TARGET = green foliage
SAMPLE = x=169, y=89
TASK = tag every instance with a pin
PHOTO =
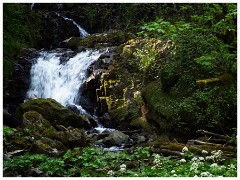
x=202, y=51
x=92, y=162
x=147, y=55
x=7, y=131
x=21, y=29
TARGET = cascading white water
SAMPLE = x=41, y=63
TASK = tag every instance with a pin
x=62, y=82
x=32, y=6
x=82, y=32
x=50, y=79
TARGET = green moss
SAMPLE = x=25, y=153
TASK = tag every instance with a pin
x=140, y=123
x=52, y=111
x=159, y=101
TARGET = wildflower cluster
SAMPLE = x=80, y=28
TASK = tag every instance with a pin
x=110, y=173
x=216, y=156
x=157, y=162
x=122, y=167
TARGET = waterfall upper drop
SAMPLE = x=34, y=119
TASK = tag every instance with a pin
x=62, y=82
x=82, y=32
x=32, y=5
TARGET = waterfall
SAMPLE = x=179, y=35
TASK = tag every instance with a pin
x=32, y=6
x=51, y=79
x=82, y=32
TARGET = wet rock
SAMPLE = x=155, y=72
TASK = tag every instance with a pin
x=107, y=121
x=116, y=138
x=55, y=30
x=50, y=110
x=49, y=147
x=89, y=122
x=72, y=138
x=138, y=138
x=73, y=108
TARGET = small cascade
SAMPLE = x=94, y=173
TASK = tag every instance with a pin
x=82, y=32
x=51, y=79
x=62, y=81
x=32, y=6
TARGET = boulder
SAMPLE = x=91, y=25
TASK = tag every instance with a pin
x=72, y=137
x=137, y=138
x=98, y=40
x=50, y=110
x=116, y=138
x=49, y=147
x=107, y=121
x=37, y=126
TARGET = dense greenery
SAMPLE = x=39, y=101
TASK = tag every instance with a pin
x=152, y=84
x=203, y=51
x=21, y=30
x=91, y=161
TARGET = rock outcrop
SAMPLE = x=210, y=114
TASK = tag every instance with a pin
x=51, y=110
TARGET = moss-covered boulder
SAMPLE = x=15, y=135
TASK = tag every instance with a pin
x=50, y=110
x=49, y=147
x=72, y=137
x=129, y=72
x=36, y=126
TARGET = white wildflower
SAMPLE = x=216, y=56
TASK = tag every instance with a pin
x=157, y=156
x=206, y=174
x=196, y=176
x=174, y=175
x=154, y=167
x=122, y=169
x=201, y=158
x=182, y=161
x=223, y=167
x=123, y=166
x=209, y=158
x=213, y=165
x=231, y=167
x=111, y=173
x=156, y=161
x=185, y=149
x=204, y=152
x=194, y=159
x=217, y=154
x=194, y=166
x=173, y=171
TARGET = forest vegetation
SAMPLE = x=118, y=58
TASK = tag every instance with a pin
x=174, y=73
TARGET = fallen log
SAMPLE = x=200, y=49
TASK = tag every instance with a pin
x=224, y=79
x=10, y=154
x=172, y=153
x=203, y=132
x=166, y=152
x=219, y=141
x=198, y=142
